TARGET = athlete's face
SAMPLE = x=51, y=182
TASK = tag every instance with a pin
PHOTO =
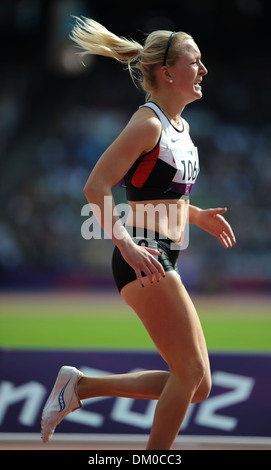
x=188, y=71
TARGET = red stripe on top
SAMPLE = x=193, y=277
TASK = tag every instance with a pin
x=145, y=168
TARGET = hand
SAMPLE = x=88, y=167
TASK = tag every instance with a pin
x=141, y=259
x=212, y=221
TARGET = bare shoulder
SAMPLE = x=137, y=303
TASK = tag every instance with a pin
x=147, y=115
x=146, y=125
x=139, y=136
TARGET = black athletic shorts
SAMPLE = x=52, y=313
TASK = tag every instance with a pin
x=123, y=273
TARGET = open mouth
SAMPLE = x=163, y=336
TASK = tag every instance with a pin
x=197, y=85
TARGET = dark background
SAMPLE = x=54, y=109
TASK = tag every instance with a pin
x=57, y=117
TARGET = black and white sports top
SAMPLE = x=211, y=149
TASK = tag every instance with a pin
x=169, y=170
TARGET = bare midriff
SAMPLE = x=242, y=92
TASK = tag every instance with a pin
x=166, y=217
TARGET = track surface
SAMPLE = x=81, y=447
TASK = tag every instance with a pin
x=91, y=443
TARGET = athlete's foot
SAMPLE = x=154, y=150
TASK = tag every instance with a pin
x=62, y=400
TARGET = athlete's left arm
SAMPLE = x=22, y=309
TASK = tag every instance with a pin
x=212, y=221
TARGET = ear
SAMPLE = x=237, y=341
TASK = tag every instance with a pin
x=165, y=74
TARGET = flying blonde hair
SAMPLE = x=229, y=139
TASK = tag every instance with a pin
x=95, y=39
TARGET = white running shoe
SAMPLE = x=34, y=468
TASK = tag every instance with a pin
x=62, y=400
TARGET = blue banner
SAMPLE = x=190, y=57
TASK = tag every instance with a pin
x=239, y=403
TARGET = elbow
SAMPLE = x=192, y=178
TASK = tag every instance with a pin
x=89, y=189
x=86, y=189
x=96, y=187
x=93, y=190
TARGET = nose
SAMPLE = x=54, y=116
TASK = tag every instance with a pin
x=202, y=69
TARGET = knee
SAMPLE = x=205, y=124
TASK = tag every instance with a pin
x=199, y=371
x=203, y=381
x=204, y=389
x=191, y=372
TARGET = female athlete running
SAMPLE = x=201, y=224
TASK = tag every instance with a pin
x=159, y=163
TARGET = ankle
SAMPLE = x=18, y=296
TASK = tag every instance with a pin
x=80, y=388
x=85, y=388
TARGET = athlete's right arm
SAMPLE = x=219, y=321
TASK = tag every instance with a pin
x=139, y=136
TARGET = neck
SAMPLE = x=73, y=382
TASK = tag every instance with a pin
x=172, y=110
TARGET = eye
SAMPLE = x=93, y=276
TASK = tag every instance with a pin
x=196, y=61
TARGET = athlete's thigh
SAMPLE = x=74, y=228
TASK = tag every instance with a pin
x=170, y=318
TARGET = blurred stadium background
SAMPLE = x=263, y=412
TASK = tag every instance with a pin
x=56, y=119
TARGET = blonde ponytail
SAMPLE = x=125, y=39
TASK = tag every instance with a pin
x=95, y=39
